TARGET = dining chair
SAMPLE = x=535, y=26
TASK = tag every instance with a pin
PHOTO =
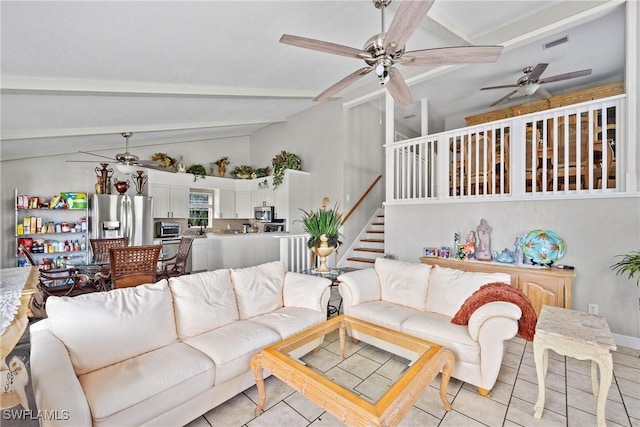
x=66, y=282
x=177, y=264
x=100, y=248
x=131, y=266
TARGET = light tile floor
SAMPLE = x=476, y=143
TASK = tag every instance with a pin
x=569, y=401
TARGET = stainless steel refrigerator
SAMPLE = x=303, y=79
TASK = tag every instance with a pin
x=114, y=215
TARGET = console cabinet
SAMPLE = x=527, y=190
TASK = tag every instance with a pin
x=543, y=285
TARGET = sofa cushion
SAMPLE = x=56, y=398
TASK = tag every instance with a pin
x=258, y=289
x=147, y=384
x=232, y=346
x=437, y=328
x=449, y=288
x=303, y=290
x=403, y=283
x=203, y=301
x=287, y=321
x=382, y=313
x=103, y=328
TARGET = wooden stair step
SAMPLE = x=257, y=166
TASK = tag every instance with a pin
x=377, y=223
x=357, y=259
x=375, y=231
x=372, y=240
x=378, y=251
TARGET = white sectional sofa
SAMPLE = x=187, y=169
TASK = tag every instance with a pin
x=165, y=353
x=421, y=301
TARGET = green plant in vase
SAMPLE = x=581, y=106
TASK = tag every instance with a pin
x=221, y=163
x=323, y=226
x=198, y=171
x=242, y=171
x=282, y=161
x=629, y=264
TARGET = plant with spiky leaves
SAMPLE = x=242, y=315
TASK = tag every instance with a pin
x=323, y=221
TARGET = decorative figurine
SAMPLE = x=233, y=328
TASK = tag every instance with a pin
x=483, y=246
x=468, y=249
x=518, y=251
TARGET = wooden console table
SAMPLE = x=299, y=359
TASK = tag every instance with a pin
x=542, y=285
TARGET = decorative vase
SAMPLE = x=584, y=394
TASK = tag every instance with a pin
x=139, y=179
x=121, y=186
x=222, y=169
x=323, y=251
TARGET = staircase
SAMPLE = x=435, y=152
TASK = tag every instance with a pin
x=371, y=244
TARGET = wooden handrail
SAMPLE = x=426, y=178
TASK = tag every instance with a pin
x=346, y=217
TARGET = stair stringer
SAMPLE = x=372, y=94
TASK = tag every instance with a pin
x=351, y=251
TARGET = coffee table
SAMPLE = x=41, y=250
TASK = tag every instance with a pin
x=427, y=361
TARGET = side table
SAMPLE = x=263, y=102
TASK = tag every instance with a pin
x=581, y=336
x=333, y=276
x=17, y=287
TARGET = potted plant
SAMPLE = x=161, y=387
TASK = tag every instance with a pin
x=282, y=161
x=629, y=264
x=323, y=226
x=242, y=171
x=221, y=163
x=197, y=170
x=163, y=158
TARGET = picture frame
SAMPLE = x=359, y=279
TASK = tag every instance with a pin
x=430, y=252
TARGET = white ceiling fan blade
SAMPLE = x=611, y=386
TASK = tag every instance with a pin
x=351, y=78
x=542, y=93
x=452, y=55
x=504, y=98
x=498, y=87
x=566, y=76
x=97, y=155
x=322, y=46
x=537, y=72
x=407, y=19
x=398, y=89
x=156, y=167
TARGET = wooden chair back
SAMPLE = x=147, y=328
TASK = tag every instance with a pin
x=24, y=251
x=177, y=264
x=133, y=265
x=100, y=248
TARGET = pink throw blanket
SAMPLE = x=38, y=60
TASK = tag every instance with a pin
x=500, y=292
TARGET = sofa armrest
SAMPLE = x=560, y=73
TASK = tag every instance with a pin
x=56, y=387
x=490, y=310
x=307, y=291
x=357, y=287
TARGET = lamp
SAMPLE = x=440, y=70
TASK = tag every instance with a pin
x=528, y=89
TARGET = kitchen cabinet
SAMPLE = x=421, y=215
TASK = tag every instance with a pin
x=170, y=201
x=542, y=285
x=244, y=206
x=226, y=204
x=199, y=255
x=54, y=237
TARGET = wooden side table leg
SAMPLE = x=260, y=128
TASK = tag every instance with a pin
x=594, y=377
x=538, y=354
x=342, y=333
x=605, y=363
x=256, y=365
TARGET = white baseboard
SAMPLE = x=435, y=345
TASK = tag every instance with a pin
x=627, y=341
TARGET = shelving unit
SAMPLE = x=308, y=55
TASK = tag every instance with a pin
x=53, y=242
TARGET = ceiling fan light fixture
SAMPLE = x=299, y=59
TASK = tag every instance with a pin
x=529, y=89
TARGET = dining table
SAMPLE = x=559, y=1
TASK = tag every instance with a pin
x=17, y=287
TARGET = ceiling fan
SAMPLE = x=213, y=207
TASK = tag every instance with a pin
x=531, y=83
x=127, y=158
x=385, y=49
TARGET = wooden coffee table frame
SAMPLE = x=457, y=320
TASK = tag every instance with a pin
x=342, y=403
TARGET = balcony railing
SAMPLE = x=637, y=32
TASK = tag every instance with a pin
x=568, y=150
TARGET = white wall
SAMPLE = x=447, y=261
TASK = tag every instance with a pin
x=595, y=230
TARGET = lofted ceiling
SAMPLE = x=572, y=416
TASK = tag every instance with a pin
x=76, y=74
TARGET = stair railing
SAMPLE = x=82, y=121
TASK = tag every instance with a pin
x=361, y=199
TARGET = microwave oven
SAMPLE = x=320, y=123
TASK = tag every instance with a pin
x=264, y=213
x=167, y=229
